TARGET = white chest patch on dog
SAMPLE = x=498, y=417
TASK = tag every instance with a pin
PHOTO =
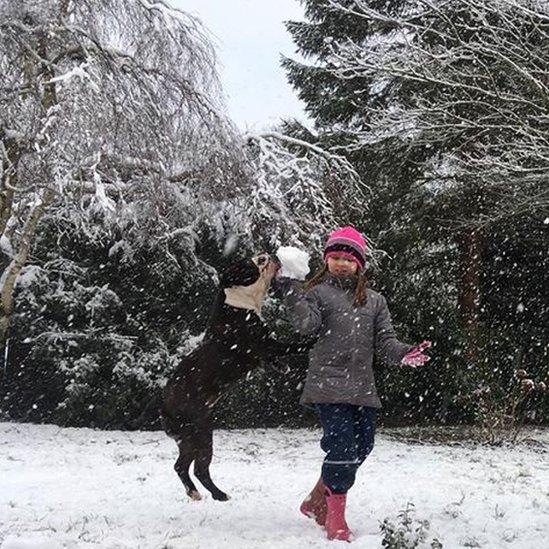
x=248, y=297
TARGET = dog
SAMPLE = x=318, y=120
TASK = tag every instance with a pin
x=235, y=342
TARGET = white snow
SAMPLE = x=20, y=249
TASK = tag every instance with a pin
x=103, y=202
x=28, y=275
x=79, y=72
x=294, y=262
x=5, y=246
x=81, y=488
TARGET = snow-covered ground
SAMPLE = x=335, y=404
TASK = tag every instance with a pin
x=80, y=488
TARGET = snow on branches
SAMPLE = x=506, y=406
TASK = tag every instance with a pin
x=466, y=79
x=300, y=189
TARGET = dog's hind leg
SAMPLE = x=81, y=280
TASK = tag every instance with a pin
x=187, y=454
x=202, y=464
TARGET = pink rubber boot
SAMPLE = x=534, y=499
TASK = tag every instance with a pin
x=336, y=526
x=314, y=505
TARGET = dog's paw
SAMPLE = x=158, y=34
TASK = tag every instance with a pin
x=195, y=495
x=221, y=496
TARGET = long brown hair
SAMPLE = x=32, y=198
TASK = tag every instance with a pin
x=361, y=294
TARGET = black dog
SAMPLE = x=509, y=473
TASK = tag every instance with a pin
x=234, y=343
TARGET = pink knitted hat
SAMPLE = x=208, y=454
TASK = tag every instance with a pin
x=349, y=242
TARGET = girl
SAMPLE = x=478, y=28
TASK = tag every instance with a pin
x=352, y=322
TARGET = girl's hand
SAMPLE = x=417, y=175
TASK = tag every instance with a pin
x=415, y=357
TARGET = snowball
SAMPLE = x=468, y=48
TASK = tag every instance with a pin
x=294, y=262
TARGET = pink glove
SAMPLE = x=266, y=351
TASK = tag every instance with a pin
x=415, y=356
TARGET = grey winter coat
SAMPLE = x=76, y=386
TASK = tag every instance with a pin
x=340, y=362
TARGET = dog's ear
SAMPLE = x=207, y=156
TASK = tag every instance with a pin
x=243, y=273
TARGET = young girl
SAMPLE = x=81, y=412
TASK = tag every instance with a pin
x=352, y=322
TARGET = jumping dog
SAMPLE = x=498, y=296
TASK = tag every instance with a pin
x=235, y=342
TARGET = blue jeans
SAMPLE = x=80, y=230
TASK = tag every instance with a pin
x=348, y=439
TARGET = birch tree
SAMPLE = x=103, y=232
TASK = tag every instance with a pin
x=102, y=104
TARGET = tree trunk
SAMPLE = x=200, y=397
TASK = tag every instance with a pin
x=8, y=177
x=469, y=289
x=10, y=275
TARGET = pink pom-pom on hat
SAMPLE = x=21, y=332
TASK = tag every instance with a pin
x=349, y=242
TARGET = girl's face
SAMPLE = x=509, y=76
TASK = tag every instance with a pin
x=341, y=265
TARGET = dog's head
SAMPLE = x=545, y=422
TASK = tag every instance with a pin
x=246, y=282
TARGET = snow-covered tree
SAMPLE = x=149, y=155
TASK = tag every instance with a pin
x=300, y=190
x=468, y=82
x=105, y=106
